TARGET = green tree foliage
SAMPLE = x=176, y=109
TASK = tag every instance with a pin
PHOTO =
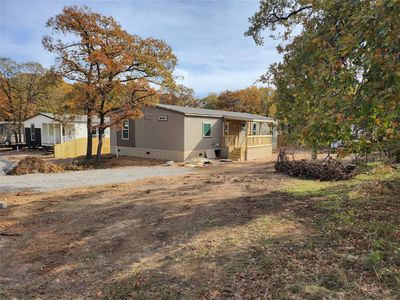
x=210, y=102
x=340, y=77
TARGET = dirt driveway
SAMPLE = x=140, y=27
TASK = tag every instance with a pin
x=72, y=244
x=235, y=231
x=77, y=179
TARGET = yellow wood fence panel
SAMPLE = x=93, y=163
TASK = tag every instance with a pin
x=75, y=148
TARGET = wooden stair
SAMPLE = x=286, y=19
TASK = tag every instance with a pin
x=235, y=154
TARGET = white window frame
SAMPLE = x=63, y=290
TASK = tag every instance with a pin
x=94, y=134
x=162, y=118
x=33, y=136
x=254, y=129
x=125, y=129
x=202, y=129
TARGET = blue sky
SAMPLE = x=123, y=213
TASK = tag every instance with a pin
x=206, y=36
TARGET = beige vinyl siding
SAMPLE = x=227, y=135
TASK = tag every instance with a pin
x=194, y=139
x=151, y=133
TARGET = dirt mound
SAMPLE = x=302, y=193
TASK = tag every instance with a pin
x=327, y=170
x=32, y=165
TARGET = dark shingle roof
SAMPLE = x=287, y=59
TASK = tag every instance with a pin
x=191, y=111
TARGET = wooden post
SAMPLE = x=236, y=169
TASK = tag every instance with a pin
x=61, y=135
x=54, y=134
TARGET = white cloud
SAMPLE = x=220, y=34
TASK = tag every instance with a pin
x=207, y=36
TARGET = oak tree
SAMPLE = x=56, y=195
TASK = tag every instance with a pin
x=116, y=72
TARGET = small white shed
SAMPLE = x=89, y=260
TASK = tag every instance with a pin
x=46, y=129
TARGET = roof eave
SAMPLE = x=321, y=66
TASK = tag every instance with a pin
x=203, y=115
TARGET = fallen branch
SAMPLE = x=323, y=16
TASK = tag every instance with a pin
x=9, y=234
x=328, y=170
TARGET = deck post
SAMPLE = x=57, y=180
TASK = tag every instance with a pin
x=54, y=134
x=61, y=135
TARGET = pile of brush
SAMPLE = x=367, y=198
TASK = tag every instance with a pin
x=326, y=170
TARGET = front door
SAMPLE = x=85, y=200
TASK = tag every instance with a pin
x=226, y=128
x=242, y=132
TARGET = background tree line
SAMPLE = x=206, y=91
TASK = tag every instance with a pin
x=28, y=88
x=255, y=100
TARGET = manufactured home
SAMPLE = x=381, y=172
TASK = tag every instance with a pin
x=180, y=133
x=46, y=129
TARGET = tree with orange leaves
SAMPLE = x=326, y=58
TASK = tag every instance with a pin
x=117, y=72
x=181, y=95
x=23, y=89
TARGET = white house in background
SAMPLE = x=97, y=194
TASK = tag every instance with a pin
x=46, y=129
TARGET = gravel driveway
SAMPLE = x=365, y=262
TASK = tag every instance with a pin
x=47, y=182
x=5, y=166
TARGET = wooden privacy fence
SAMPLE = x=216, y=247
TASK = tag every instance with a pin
x=75, y=148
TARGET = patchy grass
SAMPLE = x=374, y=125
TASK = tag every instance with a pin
x=329, y=240
x=242, y=231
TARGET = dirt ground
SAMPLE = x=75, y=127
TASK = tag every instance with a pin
x=72, y=164
x=238, y=230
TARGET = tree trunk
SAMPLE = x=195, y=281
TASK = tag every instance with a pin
x=16, y=136
x=19, y=132
x=99, y=146
x=89, y=147
x=100, y=137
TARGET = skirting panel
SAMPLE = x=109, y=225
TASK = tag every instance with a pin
x=259, y=152
x=158, y=153
x=149, y=153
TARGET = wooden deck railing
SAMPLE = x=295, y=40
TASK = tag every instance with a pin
x=232, y=142
x=258, y=140
x=229, y=141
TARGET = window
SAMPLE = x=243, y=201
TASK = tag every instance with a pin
x=162, y=118
x=33, y=132
x=254, y=129
x=94, y=132
x=243, y=126
x=125, y=130
x=206, y=129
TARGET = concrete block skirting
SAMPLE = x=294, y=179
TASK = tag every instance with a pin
x=259, y=152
